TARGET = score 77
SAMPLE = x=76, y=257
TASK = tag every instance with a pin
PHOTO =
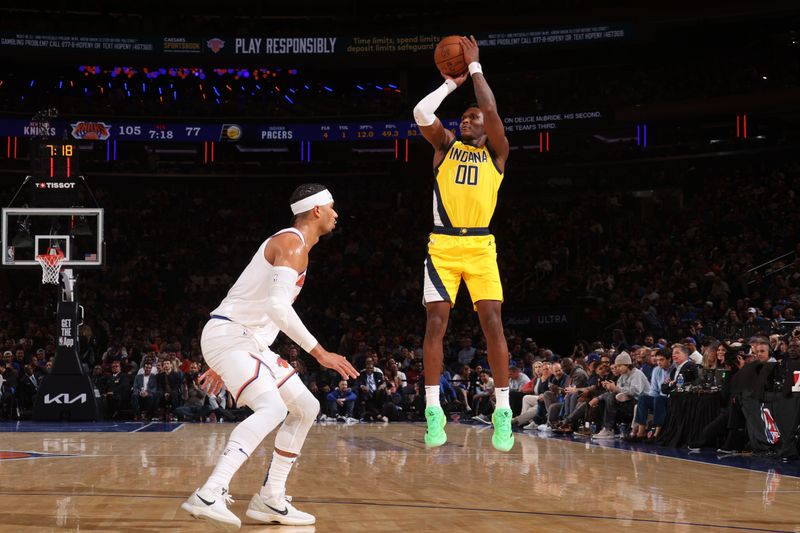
x=192, y=131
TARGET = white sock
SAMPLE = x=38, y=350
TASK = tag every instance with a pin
x=501, y=398
x=229, y=462
x=275, y=482
x=268, y=411
x=432, y=396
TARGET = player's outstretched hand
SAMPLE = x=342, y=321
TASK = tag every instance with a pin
x=336, y=362
x=457, y=80
x=470, y=47
x=210, y=382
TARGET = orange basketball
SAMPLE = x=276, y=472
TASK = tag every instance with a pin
x=449, y=56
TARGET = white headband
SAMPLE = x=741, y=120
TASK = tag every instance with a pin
x=307, y=204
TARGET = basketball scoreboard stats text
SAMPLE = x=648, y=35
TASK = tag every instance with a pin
x=101, y=130
x=218, y=132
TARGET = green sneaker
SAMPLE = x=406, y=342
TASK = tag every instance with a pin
x=435, y=435
x=503, y=438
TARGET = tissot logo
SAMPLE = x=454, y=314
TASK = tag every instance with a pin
x=55, y=185
x=64, y=398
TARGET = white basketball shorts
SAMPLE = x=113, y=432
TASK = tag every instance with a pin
x=247, y=368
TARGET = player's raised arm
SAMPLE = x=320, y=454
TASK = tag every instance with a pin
x=493, y=124
x=424, y=114
x=288, y=255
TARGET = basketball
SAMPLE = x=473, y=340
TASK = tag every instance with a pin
x=449, y=56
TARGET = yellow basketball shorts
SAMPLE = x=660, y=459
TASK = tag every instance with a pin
x=452, y=258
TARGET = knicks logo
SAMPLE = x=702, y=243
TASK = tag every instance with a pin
x=215, y=44
x=91, y=131
x=282, y=362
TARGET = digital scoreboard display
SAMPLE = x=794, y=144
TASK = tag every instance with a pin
x=54, y=160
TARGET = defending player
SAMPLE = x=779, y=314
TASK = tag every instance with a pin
x=467, y=176
x=235, y=345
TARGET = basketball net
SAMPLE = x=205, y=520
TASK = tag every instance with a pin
x=51, y=265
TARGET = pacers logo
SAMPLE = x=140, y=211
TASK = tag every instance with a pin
x=230, y=132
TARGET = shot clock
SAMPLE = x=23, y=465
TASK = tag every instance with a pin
x=54, y=173
x=54, y=160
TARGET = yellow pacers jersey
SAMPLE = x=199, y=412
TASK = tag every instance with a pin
x=465, y=187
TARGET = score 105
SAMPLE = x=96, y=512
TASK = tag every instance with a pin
x=158, y=132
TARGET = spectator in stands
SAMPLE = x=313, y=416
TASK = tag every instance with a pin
x=464, y=383
x=219, y=404
x=695, y=356
x=680, y=365
x=369, y=381
x=481, y=400
x=415, y=374
x=552, y=399
x=194, y=407
x=170, y=384
x=118, y=391
x=761, y=348
x=144, y=393
x=555, y=399
x=532, y=392
x=467, y=352
x=721, y=355
x=394, y=374
x=620, y=398
x=516, y=379
x=710, y=354
x=729, y=327
x=28, y=387
x=654, y=401
x=645, y=361
x=341, y=402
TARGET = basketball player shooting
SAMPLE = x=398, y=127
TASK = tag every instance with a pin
x=467, y=176
x=235, y=344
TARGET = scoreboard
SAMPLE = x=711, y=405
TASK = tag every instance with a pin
x=218, y=132
x=131, y=130
x=54, y=160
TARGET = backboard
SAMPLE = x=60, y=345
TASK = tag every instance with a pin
x=31, y=231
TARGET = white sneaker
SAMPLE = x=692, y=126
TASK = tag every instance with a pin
x=212, y=504
x=483, y=419
x=604, y=433
x=531, y=425
x=350, y=420
x=270, y=512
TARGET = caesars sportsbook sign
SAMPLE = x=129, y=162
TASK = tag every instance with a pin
x=227, y=46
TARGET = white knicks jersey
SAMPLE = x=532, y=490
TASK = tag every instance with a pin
x=246, y=301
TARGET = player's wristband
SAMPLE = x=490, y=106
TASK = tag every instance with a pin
x=474, y=68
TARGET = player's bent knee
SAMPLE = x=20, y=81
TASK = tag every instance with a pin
x=272, y=401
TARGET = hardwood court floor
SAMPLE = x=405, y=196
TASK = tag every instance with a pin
x=369, y=477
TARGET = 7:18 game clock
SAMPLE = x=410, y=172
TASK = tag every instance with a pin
x=54, y=159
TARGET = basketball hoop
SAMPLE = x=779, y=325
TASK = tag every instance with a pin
x=51, y=265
